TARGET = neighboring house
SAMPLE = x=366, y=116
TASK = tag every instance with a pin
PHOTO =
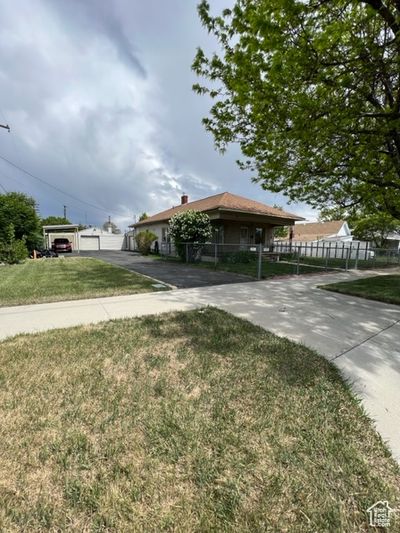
x=99, y=239
x=332, y=231
x=235, y=219
x=393, y=241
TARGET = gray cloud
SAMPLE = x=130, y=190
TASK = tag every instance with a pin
x=99, y=99
x=99, y=18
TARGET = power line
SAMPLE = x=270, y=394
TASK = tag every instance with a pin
x=23, y=186
x=93, y=206
x=4, y=189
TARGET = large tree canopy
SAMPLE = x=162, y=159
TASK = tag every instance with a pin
x=19, y=210
x=310, y=89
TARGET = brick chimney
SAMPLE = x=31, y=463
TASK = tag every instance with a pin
x=184, y=199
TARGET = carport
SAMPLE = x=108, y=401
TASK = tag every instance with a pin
x=68, y=231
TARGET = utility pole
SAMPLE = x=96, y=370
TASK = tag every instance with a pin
x=65, y=211
x=6, y=127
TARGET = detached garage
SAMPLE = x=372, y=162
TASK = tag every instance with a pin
x=93, y=239
x=89, y=242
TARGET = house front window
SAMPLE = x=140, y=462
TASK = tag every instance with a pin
x=259, y=236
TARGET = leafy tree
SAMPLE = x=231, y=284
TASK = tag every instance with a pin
x=144, y=240
x=53, y=221
x=19, y=210
x=375, y=228
x=190, y=227
x=337, y=213
x=143, y=216
x=12, y=250
x=280, y=232
x=114, y=228
x=310, y=89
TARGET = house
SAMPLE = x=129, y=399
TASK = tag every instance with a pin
x=235, y=219
x=332, y=231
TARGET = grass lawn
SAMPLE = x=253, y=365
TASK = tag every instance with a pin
x=51, y=280
x=192, y=421
x=381, y=288
x=269, y=269
x=378, y=262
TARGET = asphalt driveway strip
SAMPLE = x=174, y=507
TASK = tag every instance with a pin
x=171, y=272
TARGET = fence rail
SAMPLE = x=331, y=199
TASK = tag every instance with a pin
x=358, y=249
x=259, y=260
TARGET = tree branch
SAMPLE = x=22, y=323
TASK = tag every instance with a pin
x=385, y=13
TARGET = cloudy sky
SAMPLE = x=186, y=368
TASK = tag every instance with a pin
x=98, y=96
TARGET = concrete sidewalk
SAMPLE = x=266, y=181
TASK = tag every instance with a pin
x=362, y=337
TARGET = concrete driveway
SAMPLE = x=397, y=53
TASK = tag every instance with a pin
x=177, y=274
x=361, y=337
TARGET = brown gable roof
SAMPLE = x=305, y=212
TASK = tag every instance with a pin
x=225, y=200
x=313, y=231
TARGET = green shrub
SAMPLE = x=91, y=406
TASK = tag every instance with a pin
x=243, y=256
x=12, y=250
x=144, y=240
x=193, y=227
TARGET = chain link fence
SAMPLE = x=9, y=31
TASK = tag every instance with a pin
x=260, y=261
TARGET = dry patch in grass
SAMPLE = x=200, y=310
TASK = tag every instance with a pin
x=192, y=421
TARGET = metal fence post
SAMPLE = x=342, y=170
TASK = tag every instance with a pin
x=357, y=254
x=298, y=260
x=347, y=258
x=187, y=252
x=215, y=255
x=259, y=269
x=326, y=258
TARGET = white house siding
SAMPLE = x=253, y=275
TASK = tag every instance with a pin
x=154, y=228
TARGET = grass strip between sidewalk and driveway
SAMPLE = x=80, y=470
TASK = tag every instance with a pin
x=52, y=280
x=382, y=288
x=194, y=421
